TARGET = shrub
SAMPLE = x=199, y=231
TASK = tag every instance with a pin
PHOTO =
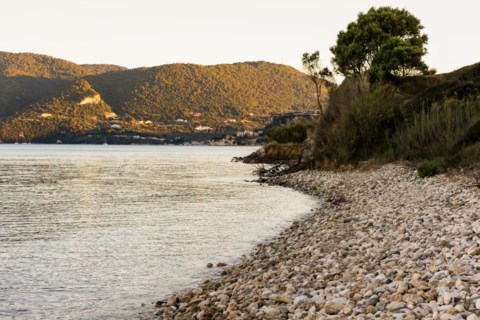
x=361, y=132
x=472, y=135
x=438, y=131
x=279, y=152
x=431, y=168
x=365, y=122
x=469, y=154
x=293, y=133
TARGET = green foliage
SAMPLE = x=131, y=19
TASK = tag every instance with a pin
x=62, y=114
x=42, y=66
x=20, y=92
x=377, y=35
x=431, y=167
x=318, y=74
x=248, y=92
x=293, y=133
x=27, y=78
x=438, y=131
x=445, y=133
x=280, y=152
x=360, y=132
x=472, y=135
x=398, y=58
x=469, y=154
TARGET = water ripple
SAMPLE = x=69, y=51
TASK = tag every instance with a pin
x=92, y=232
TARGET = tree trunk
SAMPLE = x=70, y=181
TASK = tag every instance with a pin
x=318, y=86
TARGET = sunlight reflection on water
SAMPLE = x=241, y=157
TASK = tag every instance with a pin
x=92, y=232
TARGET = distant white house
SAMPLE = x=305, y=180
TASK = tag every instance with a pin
x=110, y=115
x=116, y=126
x=144, y=122
x=203, y=128
x=246, y=133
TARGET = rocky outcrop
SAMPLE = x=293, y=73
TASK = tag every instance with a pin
x=384, y=245
x=258, y=156
x=91, y=100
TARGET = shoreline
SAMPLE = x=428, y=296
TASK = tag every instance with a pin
x=384, y=244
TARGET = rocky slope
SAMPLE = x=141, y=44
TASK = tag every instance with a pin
x=385, y=245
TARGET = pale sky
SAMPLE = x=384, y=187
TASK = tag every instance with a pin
x=135, y=33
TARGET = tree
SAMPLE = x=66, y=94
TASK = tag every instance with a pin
x=318, y=75
x=397, y=58
x=381, y=34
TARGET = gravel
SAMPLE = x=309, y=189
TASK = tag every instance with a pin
x=385, y=244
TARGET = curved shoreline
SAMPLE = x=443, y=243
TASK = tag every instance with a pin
x=385, y=244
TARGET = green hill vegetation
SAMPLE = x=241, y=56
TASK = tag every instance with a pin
x=77, y=109
x=421, y=118
x=182, y=98
x=391, y=106
x=27, y=78
x=42, y=66
x=20, y=92
x=207, y=95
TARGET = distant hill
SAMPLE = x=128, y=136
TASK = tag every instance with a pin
x=240, y=91
x=27, y=78
x=42, y=66
x=18, y=93
x=78, y=109
x=168, y=98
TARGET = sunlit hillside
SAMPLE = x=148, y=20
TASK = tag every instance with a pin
x=169, y=98
x=77, y=109
x=236, y=91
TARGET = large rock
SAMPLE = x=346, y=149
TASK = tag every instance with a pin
x=335, y=305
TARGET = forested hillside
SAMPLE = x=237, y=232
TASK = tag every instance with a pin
x=78, y=109
x=42, y=66
x=239, y=91
x=27, y=78
x=169, y=98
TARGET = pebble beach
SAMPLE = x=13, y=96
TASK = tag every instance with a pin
x=385, y=244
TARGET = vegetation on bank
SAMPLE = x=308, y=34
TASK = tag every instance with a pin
x=286, y=142
x=295, y=132
x=444, y=133
x=390, y=106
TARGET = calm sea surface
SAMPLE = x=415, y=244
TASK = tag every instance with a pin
x=92, y=232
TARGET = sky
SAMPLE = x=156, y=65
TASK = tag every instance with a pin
x=138, y=33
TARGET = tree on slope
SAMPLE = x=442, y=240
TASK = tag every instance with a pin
x=382, y=42
x=318, y=75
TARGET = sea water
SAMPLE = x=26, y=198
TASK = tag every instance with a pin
x=101, y=232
